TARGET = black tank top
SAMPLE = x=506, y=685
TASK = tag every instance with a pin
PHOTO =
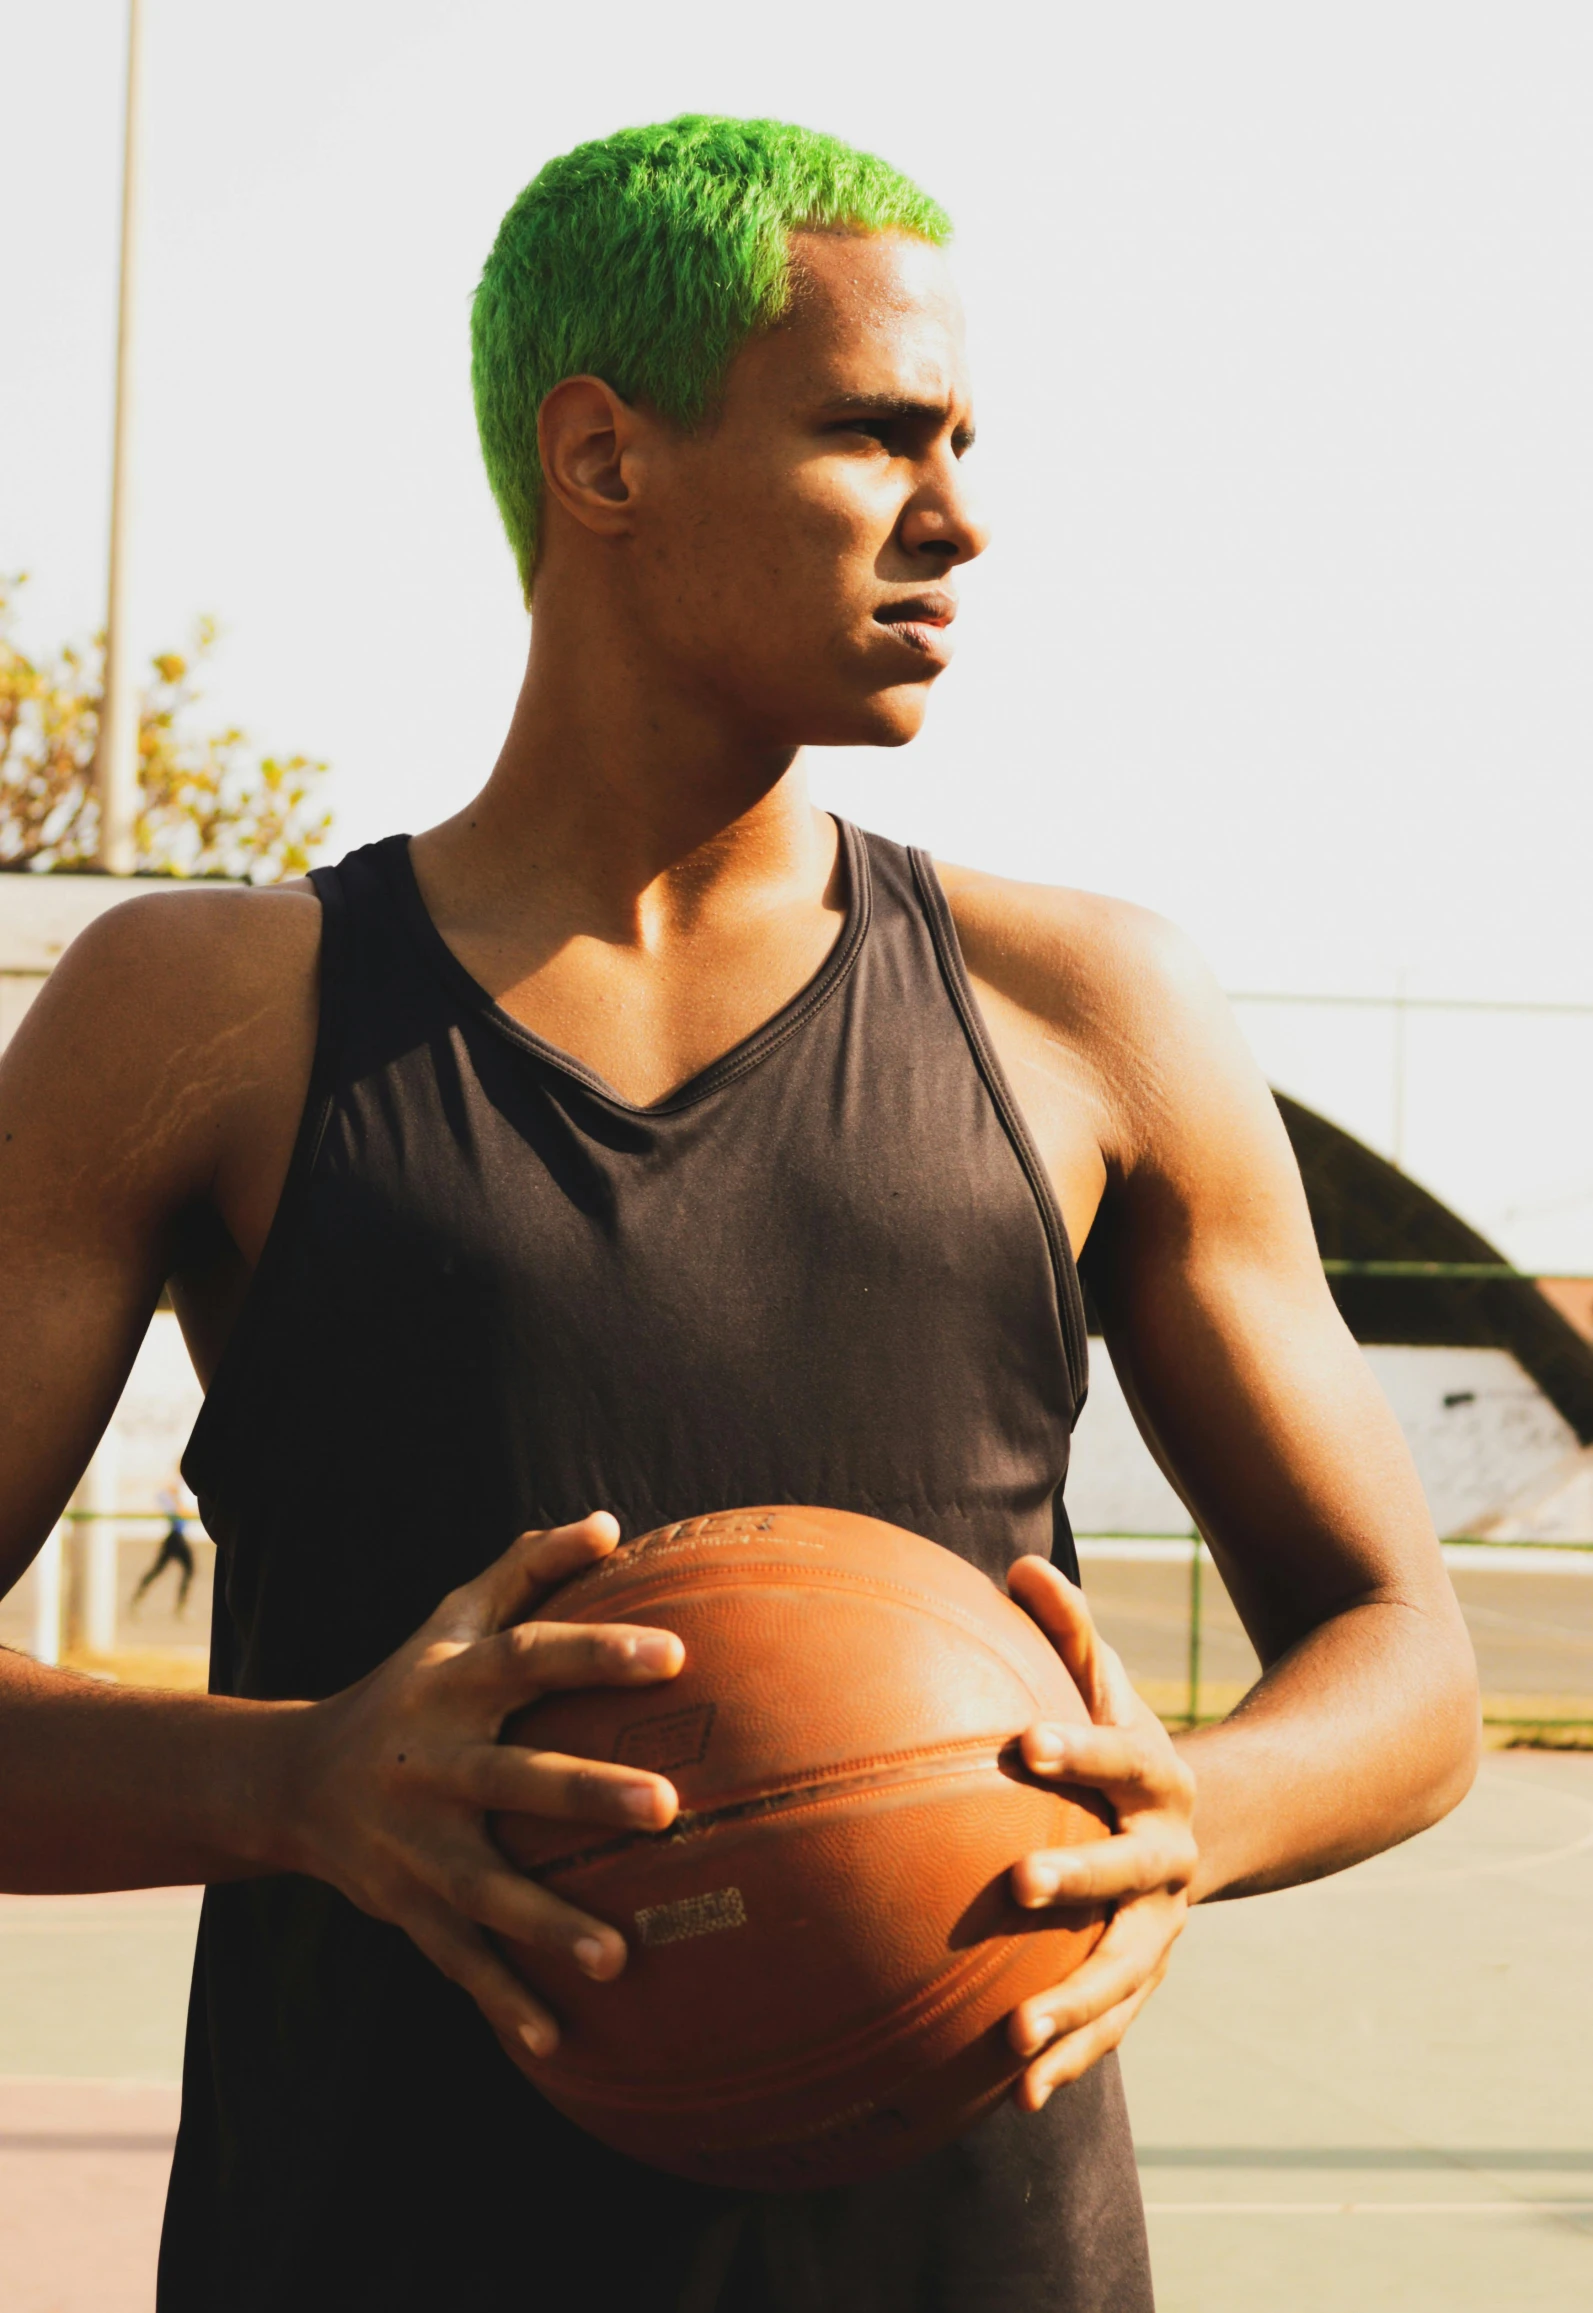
x=495, y=1296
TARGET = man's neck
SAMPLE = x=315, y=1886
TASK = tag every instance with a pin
x=622, y=810
x=632, y=884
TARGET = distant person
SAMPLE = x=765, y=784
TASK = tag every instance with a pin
x=638, y=1142
x=175, y=1550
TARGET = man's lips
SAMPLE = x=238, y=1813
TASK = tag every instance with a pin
x=921, y=621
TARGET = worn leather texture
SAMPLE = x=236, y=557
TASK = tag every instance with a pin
x=824, y=1947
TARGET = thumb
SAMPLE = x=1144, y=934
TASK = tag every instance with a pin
x=533, y=1564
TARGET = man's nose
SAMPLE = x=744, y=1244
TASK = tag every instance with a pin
x=943, y=526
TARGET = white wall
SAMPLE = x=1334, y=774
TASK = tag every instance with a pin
x=1483, y=1435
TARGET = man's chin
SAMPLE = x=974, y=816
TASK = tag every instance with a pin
x=887, y=719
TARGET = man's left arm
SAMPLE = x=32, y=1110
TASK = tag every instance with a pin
x=1251, y=1392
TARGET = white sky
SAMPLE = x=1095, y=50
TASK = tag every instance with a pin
x=1284, y=357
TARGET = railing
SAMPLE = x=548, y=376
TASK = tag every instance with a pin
x=1100, y=1544
x=49, y=1597
x=1401, y=1008
x=1488, y=1270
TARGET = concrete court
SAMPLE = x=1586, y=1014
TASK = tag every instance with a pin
x=92, y=1997
x=1377, y=2092
x=1372, y=2093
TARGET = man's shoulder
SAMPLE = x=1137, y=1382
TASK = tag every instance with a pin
x=1077, y=959
x=203, y=952
x=174, y=1022
x=1110, y=1009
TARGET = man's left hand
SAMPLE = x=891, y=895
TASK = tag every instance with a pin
x=1143, y=1870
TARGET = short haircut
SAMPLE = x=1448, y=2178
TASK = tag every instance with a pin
x=647, y=259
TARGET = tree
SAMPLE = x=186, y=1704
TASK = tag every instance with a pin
x=211, y=806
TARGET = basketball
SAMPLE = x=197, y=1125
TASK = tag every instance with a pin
x=823, y=1947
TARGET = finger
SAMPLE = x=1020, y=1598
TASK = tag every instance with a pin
x=1121, y=1702
x=1132, y=1863
x=525, y=2027
x=1132, y=1950
x=1062, y=1611
x=1070, y=2058
x=503, y=1779
x=1133, y=1765
x=1058, y=1606
x=477, y=1885
x=536, y=1657
x=531, y=1566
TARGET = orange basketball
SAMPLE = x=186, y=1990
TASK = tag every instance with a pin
x=824, y=1950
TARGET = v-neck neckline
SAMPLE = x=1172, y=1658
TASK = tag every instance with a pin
x=741, y=1056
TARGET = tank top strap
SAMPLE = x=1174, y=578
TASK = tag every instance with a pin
x=365, y=976
x=908, y=890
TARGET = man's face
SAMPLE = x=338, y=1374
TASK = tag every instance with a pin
x=795, y=555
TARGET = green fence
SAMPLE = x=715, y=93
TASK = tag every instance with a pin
x=1192, y=1715
x=50, y=1600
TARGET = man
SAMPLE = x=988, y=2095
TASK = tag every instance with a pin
x=639, y=1142
x=175, y=1550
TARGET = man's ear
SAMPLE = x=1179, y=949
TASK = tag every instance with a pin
x=586, y=434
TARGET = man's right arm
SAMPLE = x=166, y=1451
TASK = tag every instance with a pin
x=161, y=1072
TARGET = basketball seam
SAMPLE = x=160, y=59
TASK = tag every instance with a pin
x=865, y=1776
x=925, y=1603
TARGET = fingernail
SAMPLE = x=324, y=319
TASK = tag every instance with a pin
x=640, y=1802
x=541, y=2039
x=1046, y=1746
x=654, y=1651
x=592, y=1958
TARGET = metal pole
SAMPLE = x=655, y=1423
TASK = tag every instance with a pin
x=1410, y=1003
x=100, y=1547
x=1193, y=1713
x=116, y=757
x=47, y=1599
x=1399, y=1069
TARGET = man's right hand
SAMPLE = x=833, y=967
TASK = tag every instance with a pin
x=394, y=1778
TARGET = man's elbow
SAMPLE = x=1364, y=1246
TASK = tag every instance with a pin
x=1448, y=1726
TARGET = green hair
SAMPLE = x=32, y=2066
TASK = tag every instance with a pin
x=648, y=258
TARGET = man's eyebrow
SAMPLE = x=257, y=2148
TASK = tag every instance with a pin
x=908, y=406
